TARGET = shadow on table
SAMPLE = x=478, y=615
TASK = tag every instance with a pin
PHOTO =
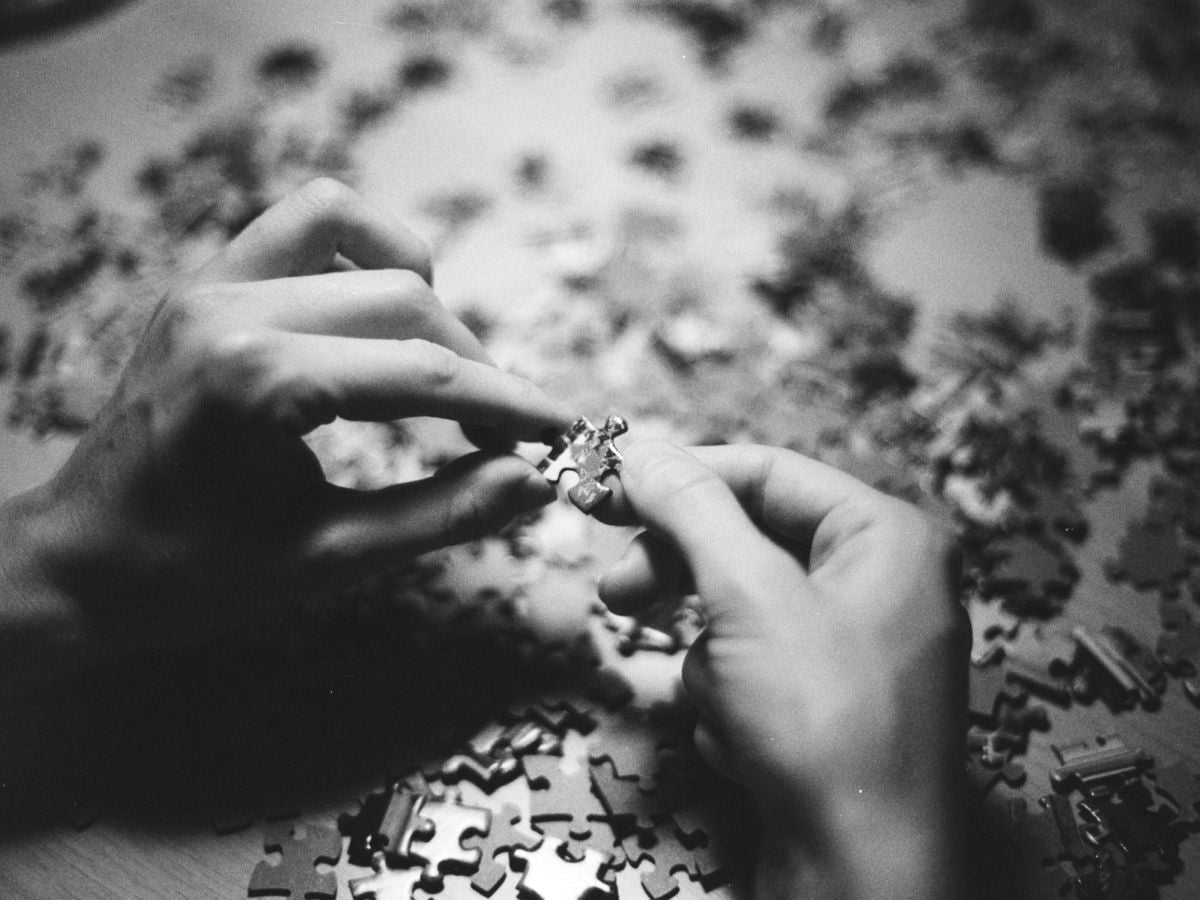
x=25, y=20
x=264, y=727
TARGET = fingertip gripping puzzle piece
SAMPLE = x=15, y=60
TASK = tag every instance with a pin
x=590, y=452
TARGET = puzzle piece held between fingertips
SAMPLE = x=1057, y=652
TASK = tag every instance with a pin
x=590, y=453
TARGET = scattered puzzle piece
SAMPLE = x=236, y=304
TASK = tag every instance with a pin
x=1032, y=576
x=550, y=876
x=1180, y=783
x=387, y=823
x=1179, y=644
x=626, y=805
x=672, y=858
x=1150, y=556
x=589, y=452
x=503, y=837
x=556, y=796
x=991, y=628
x=386, y=883
x=442, y=851
x=302, y=848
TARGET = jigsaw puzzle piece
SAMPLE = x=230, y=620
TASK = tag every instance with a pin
x=549, y=875
x=558, y=797
x=442, y=851
x=672, y=858
x=385, y=883
x=1180, y=783
x=503, y=837
x=1150, y=556
x=387, y=823
x=626, y=806
x=302, y=848
x=590, y=452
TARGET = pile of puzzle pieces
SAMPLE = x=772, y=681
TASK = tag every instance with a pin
x=560, y=816
x=1111, y=828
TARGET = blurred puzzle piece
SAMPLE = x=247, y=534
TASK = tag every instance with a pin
x=590, y=453
x=302, y=847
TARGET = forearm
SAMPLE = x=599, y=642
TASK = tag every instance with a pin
x=867, y=851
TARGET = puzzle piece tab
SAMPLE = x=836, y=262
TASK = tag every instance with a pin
x=590, y=453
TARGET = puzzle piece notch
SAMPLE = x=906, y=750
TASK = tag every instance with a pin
x=550, y=875
x=591, y=453
x=302, y=848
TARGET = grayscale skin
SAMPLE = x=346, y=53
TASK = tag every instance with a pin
x=831, y=676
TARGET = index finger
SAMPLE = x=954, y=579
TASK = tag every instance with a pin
x=785, y=492
x=304, y=233
x=741, y=575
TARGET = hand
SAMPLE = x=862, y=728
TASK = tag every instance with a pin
x=831, y=677
x=193, y=504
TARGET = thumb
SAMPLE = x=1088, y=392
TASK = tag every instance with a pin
x=475, y=495
x=744, y=579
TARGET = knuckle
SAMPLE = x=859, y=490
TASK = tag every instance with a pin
x=419, y=305
x=235, y=356
x=435, y=366
x=247, y=371
x=187, y=311
x=326, y=196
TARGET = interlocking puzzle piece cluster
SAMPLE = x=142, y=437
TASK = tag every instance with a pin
x=302, y=847
x=591, y=453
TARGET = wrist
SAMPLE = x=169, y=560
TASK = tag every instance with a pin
x=867, y=847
